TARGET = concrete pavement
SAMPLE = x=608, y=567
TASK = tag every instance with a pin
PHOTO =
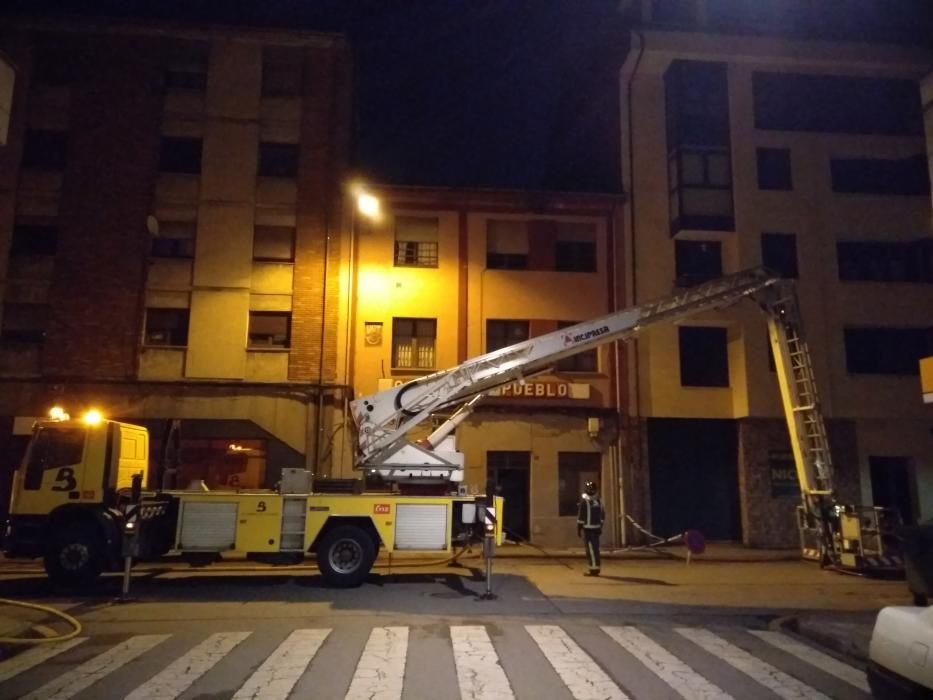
x=830, y=608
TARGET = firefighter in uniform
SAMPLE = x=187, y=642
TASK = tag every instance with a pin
x=590, y=518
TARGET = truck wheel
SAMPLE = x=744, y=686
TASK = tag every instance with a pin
x=75, y=557
x=345, y=556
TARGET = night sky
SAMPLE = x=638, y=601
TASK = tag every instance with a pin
x=516, y=94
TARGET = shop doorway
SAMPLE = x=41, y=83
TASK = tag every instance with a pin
x=891, y=480
x=510, y=475
x=694, y=477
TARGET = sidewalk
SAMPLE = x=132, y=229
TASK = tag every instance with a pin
x=716, y=551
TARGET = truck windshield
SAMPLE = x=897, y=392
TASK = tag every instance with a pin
x=52, y=448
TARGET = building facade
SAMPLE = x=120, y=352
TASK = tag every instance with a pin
x=742, y=148
x=446, y=275
x=171, y=206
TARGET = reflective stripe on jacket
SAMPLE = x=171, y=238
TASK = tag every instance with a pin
x=590, y=514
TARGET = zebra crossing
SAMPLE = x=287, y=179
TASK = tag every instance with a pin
x=498, y=661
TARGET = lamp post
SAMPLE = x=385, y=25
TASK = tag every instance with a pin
x=368, y=207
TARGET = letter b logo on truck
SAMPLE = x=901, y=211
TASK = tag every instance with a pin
x=65, y=480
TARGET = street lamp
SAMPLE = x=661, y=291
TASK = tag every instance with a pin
x=368, y=205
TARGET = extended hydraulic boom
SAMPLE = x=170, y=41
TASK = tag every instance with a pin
x=852, y=536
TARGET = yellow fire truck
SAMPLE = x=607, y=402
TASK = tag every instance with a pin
x=78, y=489
x=73, y=500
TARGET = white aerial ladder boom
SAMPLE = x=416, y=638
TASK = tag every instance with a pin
x=384, y=419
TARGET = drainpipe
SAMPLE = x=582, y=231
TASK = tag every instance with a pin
x=630, y=205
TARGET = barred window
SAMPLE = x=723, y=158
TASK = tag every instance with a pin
x=416, y=241
x=414, y=341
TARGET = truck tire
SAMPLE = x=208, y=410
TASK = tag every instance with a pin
x=345, y=556
x=75, y=557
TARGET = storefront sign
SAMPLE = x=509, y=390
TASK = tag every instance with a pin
x=544, y=390
x=783, y=472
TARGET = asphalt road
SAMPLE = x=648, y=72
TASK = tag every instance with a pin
x=406, y=634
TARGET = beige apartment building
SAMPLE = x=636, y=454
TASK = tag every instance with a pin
x=171, y=207
x=446, y=275
x=742, y=149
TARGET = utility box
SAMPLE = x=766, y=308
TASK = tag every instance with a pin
x=295, y=481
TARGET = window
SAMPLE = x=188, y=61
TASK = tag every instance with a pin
x=281, y=72
x=774, y=169
x=704, y=358
x=270, y=329
x=886, y=350
x=174, y=240
x=413, y=343
x=223, y=461
x=908, y=176
x=697, y=105
x=574, y=469
x=779, y=253
x=506, y=244
x=501, y=334
x=701, y=190
x=697, y=261
x=187, y=69
x=581, y=362
x=278, y=160
x=274, y=243
x=416, y=241
x=576, y=247
x=886, y=261
x=167, y=327
x=24, y=323
x=180, y=155
x=33, y=239
x=45, y=150
x=53, y=448
x=836, y=104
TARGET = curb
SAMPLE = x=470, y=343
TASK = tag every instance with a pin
x=843, y=648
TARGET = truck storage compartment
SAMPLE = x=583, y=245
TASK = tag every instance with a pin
x=207, y=527
x=421, y=526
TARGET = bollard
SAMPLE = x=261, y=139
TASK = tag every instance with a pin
x=489, y=549
x=130, y=549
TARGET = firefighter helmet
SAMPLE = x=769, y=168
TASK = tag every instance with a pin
x=590, y=488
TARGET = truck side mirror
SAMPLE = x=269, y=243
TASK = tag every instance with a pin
x=137, y=488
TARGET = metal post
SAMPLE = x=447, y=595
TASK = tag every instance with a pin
x=125, y=591
x=489, y=548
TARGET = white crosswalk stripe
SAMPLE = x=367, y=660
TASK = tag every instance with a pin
x=583, y=677
x=381, y=670
x=178, y=676
x=277, y=676
x=30, y=658
x=88, y=673
x=764, y=673
x=478, y=671
x=678, y=675
x=815, y=657
x=636, y=656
